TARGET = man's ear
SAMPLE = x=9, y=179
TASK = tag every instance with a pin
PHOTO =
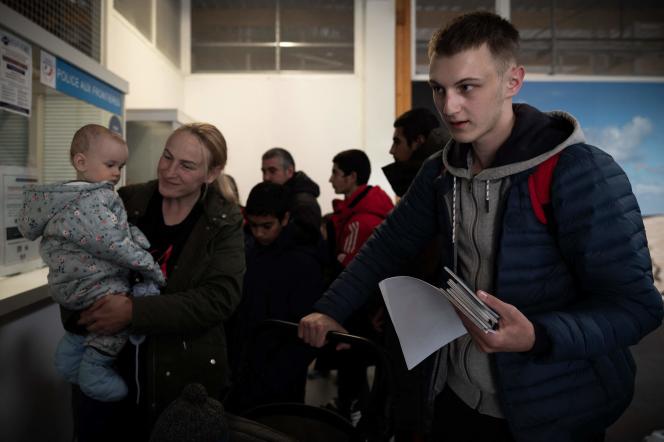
x=514, y=77
x=420, y=140
x=353, y=176
x=284, y=222
x=79, y=162
x=290, y=171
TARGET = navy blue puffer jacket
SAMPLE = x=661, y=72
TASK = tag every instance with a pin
x=588, y=288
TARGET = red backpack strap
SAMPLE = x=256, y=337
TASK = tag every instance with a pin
x=539, y=186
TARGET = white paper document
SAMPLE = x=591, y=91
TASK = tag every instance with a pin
x=423, y=318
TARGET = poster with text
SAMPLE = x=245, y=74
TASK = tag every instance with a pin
x=15, y=74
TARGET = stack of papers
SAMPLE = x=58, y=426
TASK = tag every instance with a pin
x=423, y=319
x=458, y=293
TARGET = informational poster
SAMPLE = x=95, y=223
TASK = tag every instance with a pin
x=15, y=74
x=17, y=254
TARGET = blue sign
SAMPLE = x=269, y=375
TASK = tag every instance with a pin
x=79, y=84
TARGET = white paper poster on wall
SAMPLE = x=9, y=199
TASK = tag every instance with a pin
x=17, y=254
x=15, y=74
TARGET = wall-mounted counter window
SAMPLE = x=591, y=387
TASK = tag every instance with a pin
x=44, y=100
x=281, y=35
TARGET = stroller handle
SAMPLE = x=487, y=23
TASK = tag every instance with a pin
x=332, y=336
x=380, y=398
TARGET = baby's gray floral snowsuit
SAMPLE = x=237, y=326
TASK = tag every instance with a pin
x=88, y=245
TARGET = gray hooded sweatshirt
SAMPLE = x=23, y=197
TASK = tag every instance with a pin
x=476, y=205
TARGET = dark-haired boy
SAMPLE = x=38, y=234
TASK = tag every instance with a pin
x=574, y=290
x=283, y=280
x=354, y=219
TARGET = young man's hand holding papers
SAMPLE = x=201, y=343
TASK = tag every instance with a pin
x=425, y=321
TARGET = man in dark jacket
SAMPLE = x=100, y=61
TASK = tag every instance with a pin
x=417, y=136
x=572, y=295
x=278, y=167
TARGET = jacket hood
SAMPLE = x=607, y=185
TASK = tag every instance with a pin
x=401, y=173
x=42, y=202
x=301, y=183
x=536, y=136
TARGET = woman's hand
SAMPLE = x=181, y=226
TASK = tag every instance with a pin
x=108, y=315
x=515, y=332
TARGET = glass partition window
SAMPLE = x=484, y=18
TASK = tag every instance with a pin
x=577, y=37
x=14, y=134
x=76, y=22
x=166, y=35
x=430, y=15
x=591, y=37
x=138, y=13
x=168, y=29
x=281, y=35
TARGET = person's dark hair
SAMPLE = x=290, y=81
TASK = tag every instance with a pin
x=354, y=160
x=267, y=199
x=281, y=153
x=471, y=31
x=416, y=122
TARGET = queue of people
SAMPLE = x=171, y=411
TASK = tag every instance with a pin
x=162, y=284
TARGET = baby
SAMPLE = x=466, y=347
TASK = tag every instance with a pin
x=90, y=250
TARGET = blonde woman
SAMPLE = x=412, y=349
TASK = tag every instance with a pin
x=195, y=231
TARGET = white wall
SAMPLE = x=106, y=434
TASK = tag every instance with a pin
x=154, y=81
x=314, y=116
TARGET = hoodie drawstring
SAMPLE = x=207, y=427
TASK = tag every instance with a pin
x=454, y=223
x=486, y=196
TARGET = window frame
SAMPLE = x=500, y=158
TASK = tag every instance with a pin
x=358, y=14
x=503, y=8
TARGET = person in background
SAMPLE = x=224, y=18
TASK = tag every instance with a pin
x=363, y=208
x=90, y=250
x=283, y=281
x=417, y=136
x=195, y=234
x=353, y=221
x=573, y=289
x=278, y=167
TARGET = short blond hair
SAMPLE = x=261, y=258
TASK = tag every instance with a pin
x=215, y=144
x=87, y=136
x=211, y=138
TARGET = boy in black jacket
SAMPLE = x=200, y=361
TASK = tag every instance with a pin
x=282, y=281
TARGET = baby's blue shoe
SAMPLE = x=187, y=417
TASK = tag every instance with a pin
x=68, y=356
x=97, y=378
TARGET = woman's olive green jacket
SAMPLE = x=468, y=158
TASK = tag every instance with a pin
x=186, y=341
